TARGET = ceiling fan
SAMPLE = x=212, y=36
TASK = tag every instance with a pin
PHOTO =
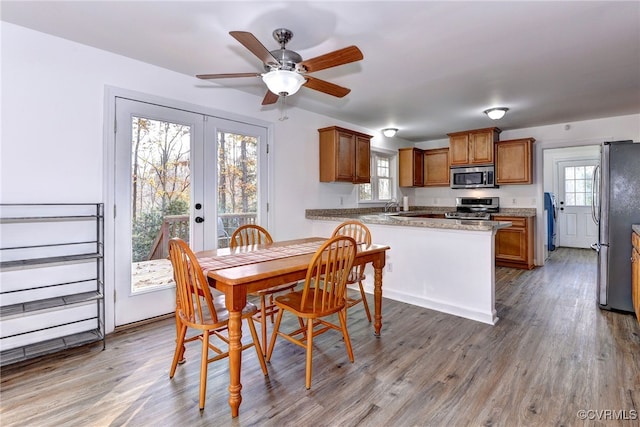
x=285, y=71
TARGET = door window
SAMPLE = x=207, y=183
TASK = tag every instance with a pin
x=237, y=183
x=160, y=197
x=578, y=182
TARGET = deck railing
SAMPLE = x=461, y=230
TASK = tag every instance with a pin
x=178, y=226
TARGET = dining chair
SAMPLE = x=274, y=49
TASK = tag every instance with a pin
x=360, y=234
x=323, y=295
x=196, y=309
x=252, y=234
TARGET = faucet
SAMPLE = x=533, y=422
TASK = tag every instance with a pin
x=393, y=203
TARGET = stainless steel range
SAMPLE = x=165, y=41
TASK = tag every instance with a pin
x=474, y=208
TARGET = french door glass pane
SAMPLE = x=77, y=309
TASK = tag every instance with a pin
x=237, y=183
x=160, y=193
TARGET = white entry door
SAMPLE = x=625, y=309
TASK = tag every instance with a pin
x=576, y=228
x=177, y=174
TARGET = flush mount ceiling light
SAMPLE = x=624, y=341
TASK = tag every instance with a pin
x=283, y=82
x=496, y=113
x=389, y=132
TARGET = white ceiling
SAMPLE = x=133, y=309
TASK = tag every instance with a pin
x=429, y=67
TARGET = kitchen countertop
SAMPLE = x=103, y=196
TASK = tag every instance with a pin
x=426, y=210
x=636, y=228
x=411, y=218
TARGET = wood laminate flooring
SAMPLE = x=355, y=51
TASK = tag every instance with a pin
x=552, y=354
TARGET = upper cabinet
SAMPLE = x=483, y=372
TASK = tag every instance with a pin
x=423, y=168
x=411, y=167
x=473, y=147
x=436, y=167
x=345, y=155
x=514, y=161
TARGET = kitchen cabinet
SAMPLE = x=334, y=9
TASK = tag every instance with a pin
x=514, y=245
x=473, y=147
x=514, y=161
x=411, y=167
x=345, y=155
x=635, y=273
x=436, y=167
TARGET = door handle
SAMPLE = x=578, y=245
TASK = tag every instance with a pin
x=595, y=193
x=199, y=219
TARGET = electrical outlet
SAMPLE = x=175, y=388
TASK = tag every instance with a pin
x=533, y=202
x=513, y=201
x=341, y=201
x=389, y=267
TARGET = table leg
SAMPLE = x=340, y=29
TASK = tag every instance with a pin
x=235, y=359
x=377, y=294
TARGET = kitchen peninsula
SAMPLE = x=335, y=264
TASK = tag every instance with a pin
x=441, y=264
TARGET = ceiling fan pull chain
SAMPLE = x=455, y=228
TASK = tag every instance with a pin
x=283, y=114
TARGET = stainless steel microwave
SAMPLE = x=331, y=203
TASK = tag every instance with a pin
x=473, y=177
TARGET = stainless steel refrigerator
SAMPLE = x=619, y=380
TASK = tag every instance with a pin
x=616, y=205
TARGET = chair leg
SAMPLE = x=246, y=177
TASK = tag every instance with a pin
x=272, y=308
x=309, y=353
x=303, y=326
x=364, y=301
x=256, y=344
x=181, y=358
x=274, y=334
x=342, y=315
x=263, y=322
x=203, y=367
x=179, y=352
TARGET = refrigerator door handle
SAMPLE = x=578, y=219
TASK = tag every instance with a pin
x=595, y=196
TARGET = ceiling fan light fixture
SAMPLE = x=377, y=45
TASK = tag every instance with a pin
x=389, y=132
x=496, y=113
x=283, y=82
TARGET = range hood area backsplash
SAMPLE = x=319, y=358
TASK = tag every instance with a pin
x=512, y=196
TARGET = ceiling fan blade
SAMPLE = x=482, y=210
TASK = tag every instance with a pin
x=226, y=76
x=333, y=59
x=270, y=98
x=326, y=87
x=249, y=41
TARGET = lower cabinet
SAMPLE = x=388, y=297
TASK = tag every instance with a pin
x=514, y=245
x=635, y=273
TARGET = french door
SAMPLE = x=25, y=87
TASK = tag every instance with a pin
x=177, y=174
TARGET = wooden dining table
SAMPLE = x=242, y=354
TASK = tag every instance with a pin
x=237, y=272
